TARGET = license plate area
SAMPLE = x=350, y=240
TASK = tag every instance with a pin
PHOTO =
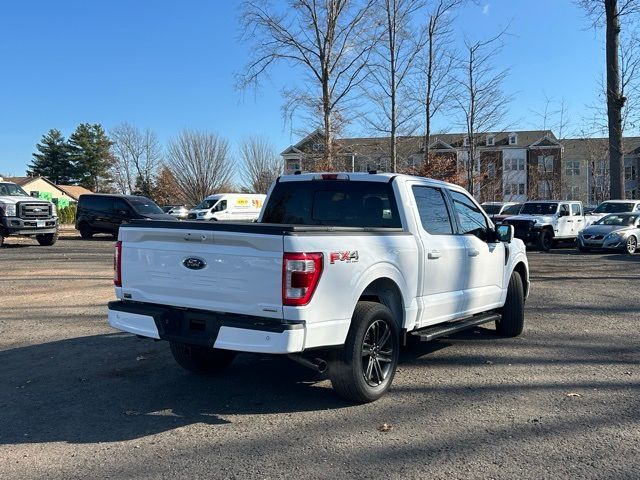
x=40, y=223
x=189, y=327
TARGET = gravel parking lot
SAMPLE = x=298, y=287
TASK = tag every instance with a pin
x=79, y=400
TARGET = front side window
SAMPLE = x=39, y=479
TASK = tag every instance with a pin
x=433, y=211
x=471, y=220
x=120, y=206
x=575, y=209
x=220, y=206
x=144, y=206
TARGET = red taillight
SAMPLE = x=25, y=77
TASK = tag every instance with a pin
x=117, y=265
x=300, y=275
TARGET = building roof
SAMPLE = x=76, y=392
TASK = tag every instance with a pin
x=74, y=191
x=409, y=145
x=597, y=148
x=22, y=181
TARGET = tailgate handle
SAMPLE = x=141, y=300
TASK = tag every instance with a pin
x=188, y=237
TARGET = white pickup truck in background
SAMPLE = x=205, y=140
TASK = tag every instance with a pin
x=336, y=272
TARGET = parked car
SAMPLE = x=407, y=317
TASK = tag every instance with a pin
x=544, y=222
x=338, y=268
x=179, y=211
x=104, y=213
x=616, y=206
x=493, y=209
x=229, y=207
x=616, y=231
x=21, y=214
x=508, y=211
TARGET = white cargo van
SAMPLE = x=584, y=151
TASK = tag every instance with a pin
x=228, y=206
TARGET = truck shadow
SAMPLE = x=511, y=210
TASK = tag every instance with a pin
x=116, y=387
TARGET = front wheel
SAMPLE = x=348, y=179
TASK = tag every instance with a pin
x=201, y=360
x=544, y=241
x=47, y=239
x=365, y=367
x=511, y=322
x=631, y=245
x=85, y=231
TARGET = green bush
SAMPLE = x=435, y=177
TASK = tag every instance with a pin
x=67, y=215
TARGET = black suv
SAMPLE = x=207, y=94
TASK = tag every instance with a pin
x=101, y=213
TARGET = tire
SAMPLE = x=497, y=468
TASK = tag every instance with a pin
x=511, y=322
x=631, y=245
x=1, y=239
x=373, y=329
x=584, y=249
x=544, y=241
x=47, y=239
x=85, y=231
x=201, y=360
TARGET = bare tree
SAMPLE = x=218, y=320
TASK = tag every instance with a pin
x=137, y=156
x=200, y=163
x=481, y=102
x=611, y=13
x=392, y=65
x=437, y=62
x=329, y=41
x=260, y=164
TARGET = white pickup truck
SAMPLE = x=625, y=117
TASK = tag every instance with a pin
x=336, y=272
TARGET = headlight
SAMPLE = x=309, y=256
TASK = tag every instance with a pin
x=54, y=210
x=612, y=236
x=201, y=214
x=9, y=210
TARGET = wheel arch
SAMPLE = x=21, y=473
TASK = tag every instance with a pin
x=386, y=291
x=521, y=269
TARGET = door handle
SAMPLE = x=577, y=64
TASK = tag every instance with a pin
x=434, y=254
x=569, y=221
x=473, y=252
x=194, y=238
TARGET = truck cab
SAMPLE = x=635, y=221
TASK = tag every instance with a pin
x=23, y=215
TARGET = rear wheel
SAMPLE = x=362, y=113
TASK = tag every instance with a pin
x=1, y=239
x=632, y=245
x=365, y=367
x=544, y=241
x=511, y=322
x=85, y=231
x=201, y=360
x=47, y=239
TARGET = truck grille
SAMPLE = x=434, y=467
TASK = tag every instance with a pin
x=593, y=237
x=521, y=225
x=31, y=211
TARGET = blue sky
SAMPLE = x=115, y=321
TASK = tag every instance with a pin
x=170, y=65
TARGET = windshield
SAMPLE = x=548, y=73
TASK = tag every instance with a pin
x=144, y=205
x=12, y=190
x=539, y=208
x=207, y=203
x=492, y=209
x=512, y=209
x=610, y=207
x=622, y=220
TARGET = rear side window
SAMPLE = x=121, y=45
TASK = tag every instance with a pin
x=575, y=209
x=342, y=203
x=96, y=202
x=433, y=211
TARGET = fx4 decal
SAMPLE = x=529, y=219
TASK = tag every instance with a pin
x=348, y=257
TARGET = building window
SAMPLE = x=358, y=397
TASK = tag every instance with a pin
x=514, y=164
x=573, y=167
x=630, y=172
x=293, y=165
x=545, y=164
x=574, y=192
x=544, y=190
x=491, y=171
x=491, y=140
x=511, y=189
x=513, y=139
x=630, y=194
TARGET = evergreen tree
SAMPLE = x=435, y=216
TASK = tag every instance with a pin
x=91, y=155
x=53, y=160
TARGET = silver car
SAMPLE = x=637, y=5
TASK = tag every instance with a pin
x=616, y=231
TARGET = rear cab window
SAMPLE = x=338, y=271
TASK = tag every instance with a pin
x=343, y=203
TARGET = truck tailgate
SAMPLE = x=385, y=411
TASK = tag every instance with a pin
x=234, y=272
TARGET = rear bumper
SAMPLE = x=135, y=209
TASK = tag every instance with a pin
x=197, y=327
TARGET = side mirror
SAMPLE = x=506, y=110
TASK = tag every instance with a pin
x=124, y=213
x=505, y=233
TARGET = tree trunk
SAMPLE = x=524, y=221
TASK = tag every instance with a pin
x=328, y=128
x=615, y=101
x=427, y=130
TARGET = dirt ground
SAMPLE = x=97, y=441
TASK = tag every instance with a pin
x=80, y=400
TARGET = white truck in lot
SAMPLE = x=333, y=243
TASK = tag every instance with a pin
x=337, y=271
x=544, y=222
x=23, y=215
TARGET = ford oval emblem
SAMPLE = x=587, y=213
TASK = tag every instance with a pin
x=193, y=263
